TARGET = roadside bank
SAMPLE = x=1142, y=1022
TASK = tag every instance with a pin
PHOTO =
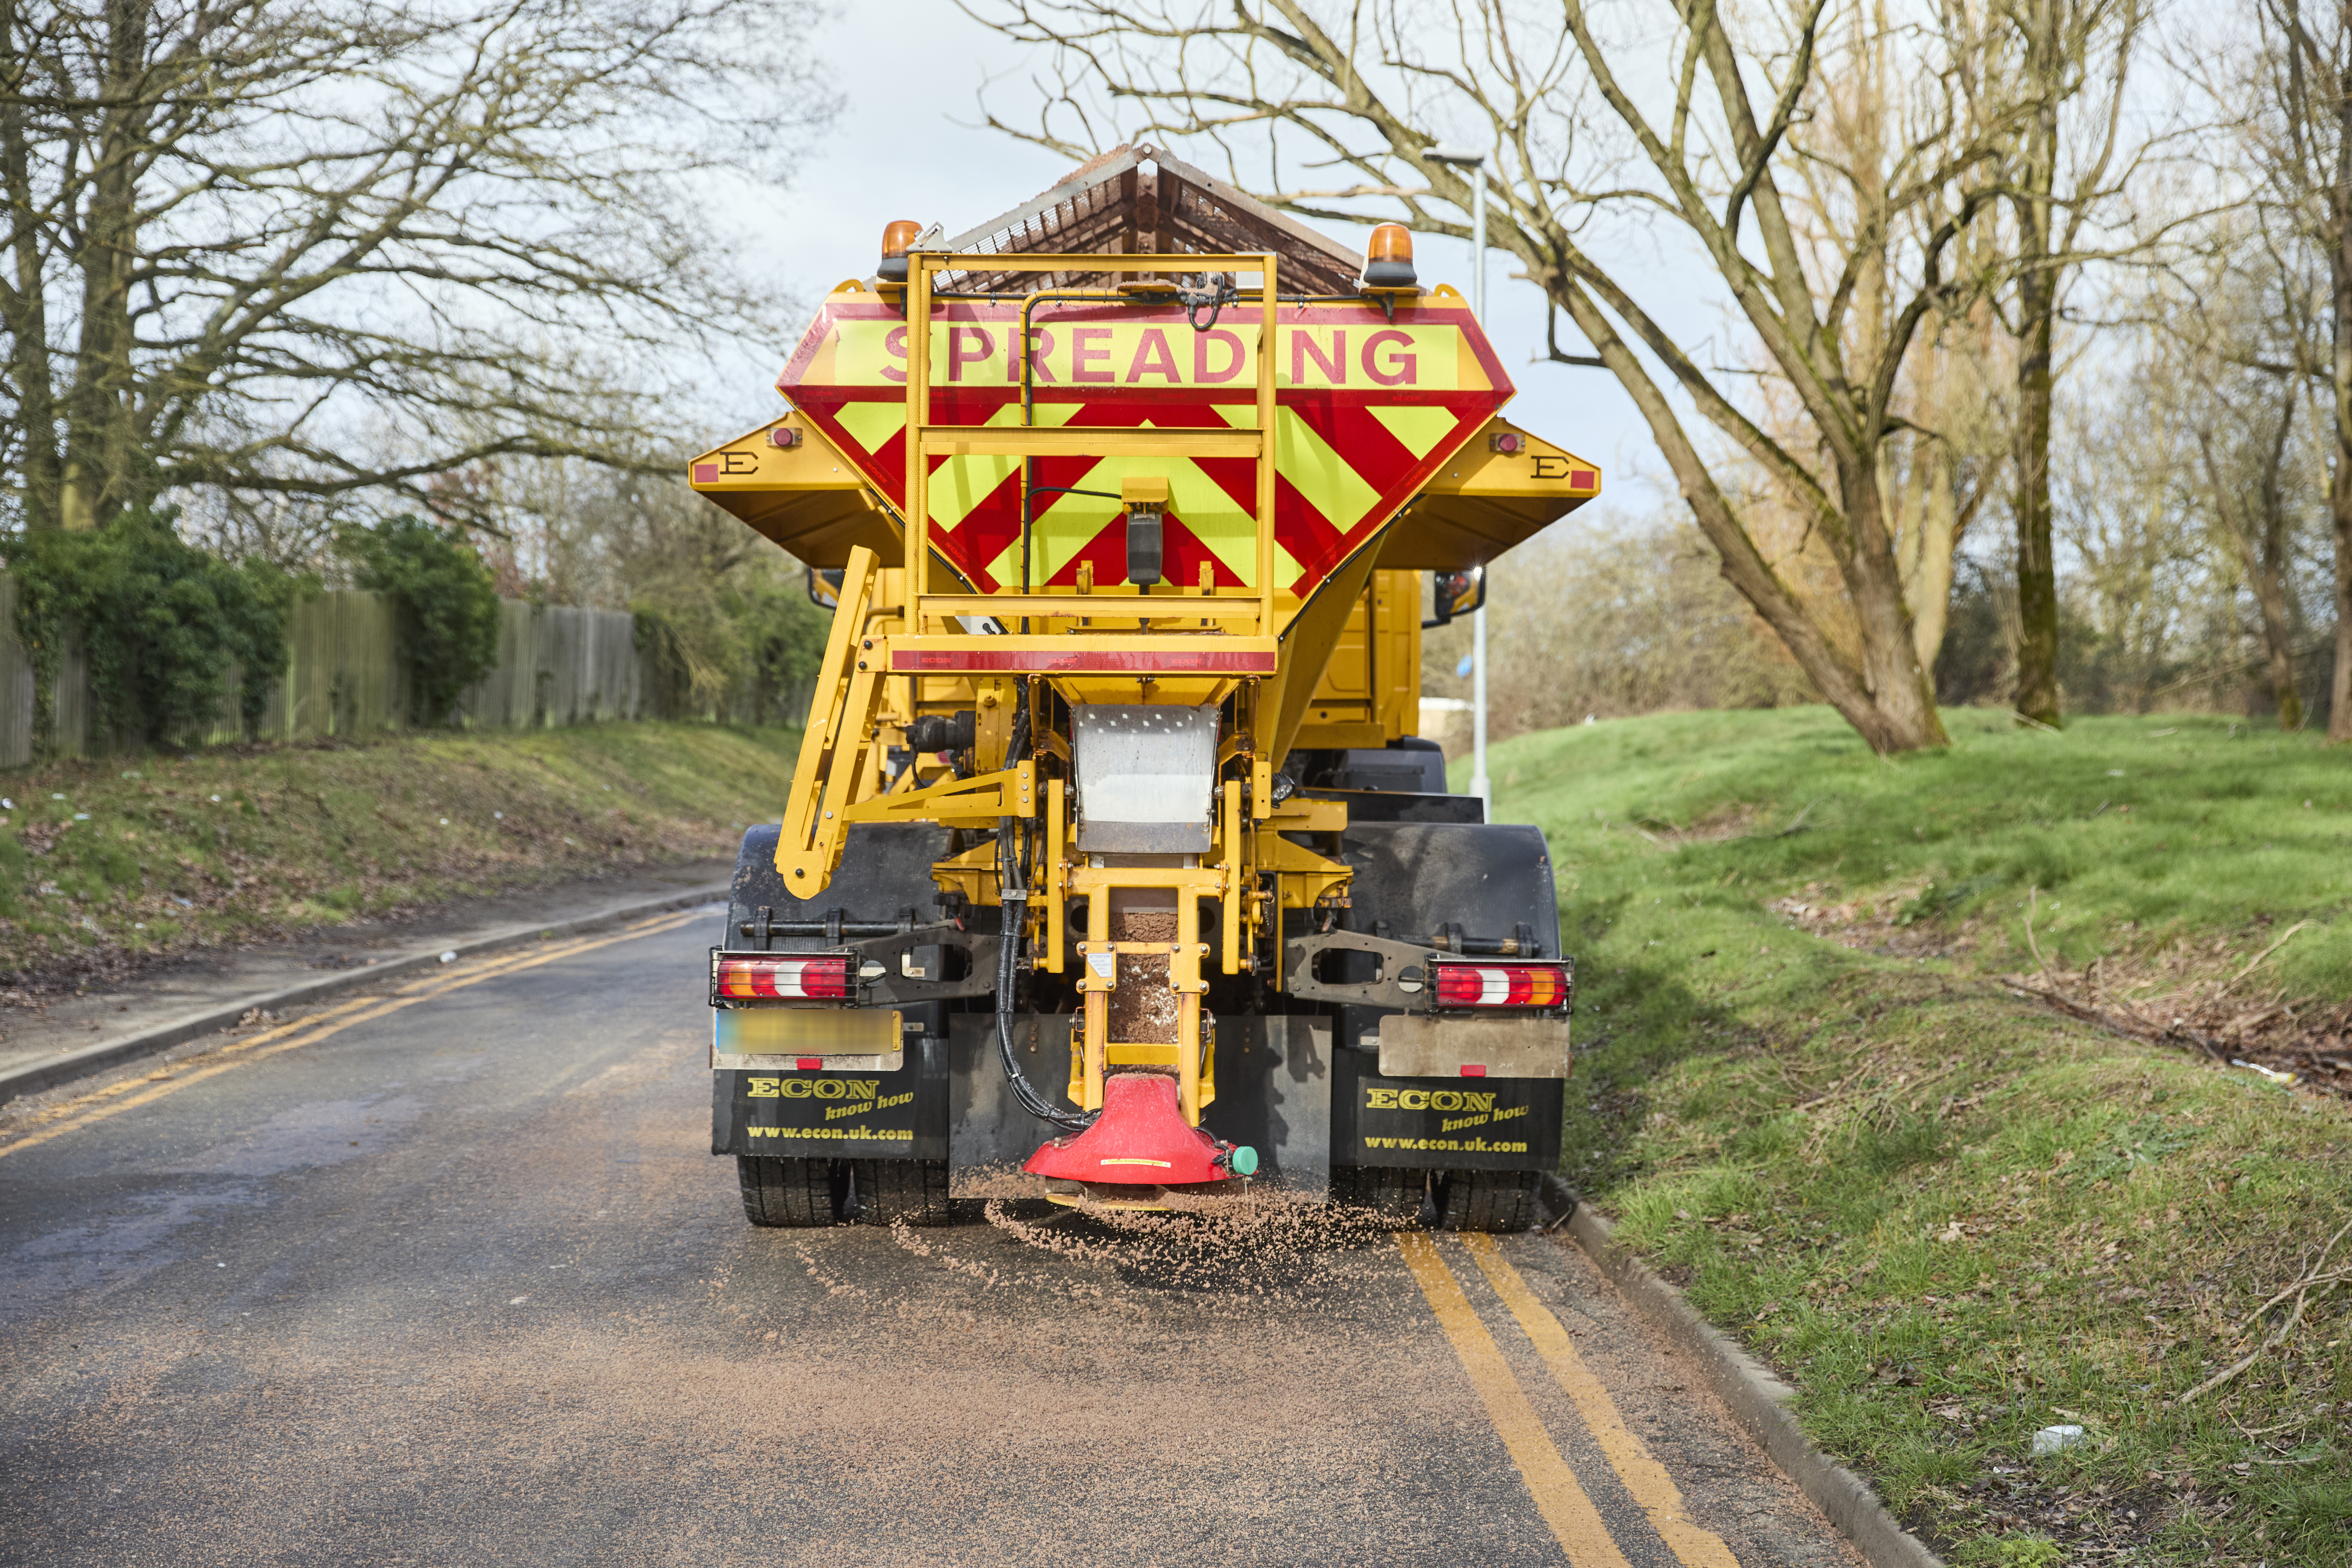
x=109, y=865
x=1826, y=1084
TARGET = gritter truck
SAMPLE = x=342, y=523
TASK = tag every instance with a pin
x=1114, y=863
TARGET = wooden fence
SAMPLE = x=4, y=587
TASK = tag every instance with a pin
x=556, y=666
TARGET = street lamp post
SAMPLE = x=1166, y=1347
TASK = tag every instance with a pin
x=1480, y=786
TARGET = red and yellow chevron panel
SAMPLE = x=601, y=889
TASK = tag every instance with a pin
x=1366, y=409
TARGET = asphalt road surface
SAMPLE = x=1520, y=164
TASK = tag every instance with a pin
x=444, y=1275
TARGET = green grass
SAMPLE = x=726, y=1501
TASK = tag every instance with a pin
x=1950, y=1217
x=127, y=855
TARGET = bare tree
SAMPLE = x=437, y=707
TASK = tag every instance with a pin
x=2299, y=125
x=2151, y=598
x=303, y=249
x=1949, y=439
x=2054, y=73
x=1693, y=124
x=2252, y=341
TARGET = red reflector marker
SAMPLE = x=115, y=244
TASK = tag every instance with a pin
x=1501, y=985
x=706, y=473
x=755, y=977
x=1471, y=1069
x=811, y=1064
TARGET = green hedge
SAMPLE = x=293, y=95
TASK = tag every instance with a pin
x=161, y=622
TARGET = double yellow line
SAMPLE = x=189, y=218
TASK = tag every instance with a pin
x=1558, y=1496
x=83, y=1111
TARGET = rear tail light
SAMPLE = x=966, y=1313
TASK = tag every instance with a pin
x=762, y=977
x=1501, y=984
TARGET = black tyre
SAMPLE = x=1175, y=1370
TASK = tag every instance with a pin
x=883, y=1192
x=1389, y=1195
x=1496, y=1200
x=789, y=1192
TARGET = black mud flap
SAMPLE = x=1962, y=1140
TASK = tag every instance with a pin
x=899, y=1115
x=884, y=868
x=1442, y=1123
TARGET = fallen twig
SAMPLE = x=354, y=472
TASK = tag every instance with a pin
x=2137, y=1029
x=2277, y=1337
x=2311, y=1276
x=2265, y=954
x=1798, y=824
x=2314, y=1278
x=2032, y=899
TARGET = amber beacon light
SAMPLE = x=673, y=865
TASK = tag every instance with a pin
x=1388, y=258
x=897, y=238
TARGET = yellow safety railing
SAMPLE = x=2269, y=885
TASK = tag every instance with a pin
x=1251, y=615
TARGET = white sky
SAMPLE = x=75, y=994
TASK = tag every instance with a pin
x=910, y=72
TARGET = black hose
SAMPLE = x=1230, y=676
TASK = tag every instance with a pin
x=1213, y=299
x=1013, y=895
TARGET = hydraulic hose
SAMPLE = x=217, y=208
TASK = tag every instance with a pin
x=1013, y=896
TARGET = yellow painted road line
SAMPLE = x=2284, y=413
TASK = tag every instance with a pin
x=1643, y=1474
x=433, y=983
x=98, y=1095
x=319, y=1027
x=1571, y=1514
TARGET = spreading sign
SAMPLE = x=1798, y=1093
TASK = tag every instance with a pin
x=1366, y=410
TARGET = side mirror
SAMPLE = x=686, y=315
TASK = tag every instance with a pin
x=1455, y=593
x=824, y=588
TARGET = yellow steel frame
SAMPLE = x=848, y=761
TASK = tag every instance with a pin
x=835, y=745
x=835, y=782
x=864, y=681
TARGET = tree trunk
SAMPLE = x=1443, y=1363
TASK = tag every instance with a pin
x=2340, y=488
x=2037, y=309
x=2272, y=597
x=1899, y=686
x=2339, y=688
x=1931, y=535
x=101, y=458
x=1890, y=716
x=2270, y=571
x=2268, y=577
x=2259, y=534
x=24, y=311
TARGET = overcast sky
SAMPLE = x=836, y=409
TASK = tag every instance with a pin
x=905, y=146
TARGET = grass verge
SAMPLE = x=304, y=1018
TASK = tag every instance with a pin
x=1950, y=1216
x=104, y=860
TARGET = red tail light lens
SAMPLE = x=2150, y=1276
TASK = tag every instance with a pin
x=1501, y=985
x=760, y=977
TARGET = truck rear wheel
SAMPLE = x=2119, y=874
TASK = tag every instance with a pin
x=788, y=1192
x=1498, y=1201
x=1389, y=1195
x=884, y=1192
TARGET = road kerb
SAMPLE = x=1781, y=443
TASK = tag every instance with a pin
x=1757, y=1399
x=68, y=1066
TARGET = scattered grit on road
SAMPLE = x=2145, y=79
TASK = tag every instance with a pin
x=441, y=1273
